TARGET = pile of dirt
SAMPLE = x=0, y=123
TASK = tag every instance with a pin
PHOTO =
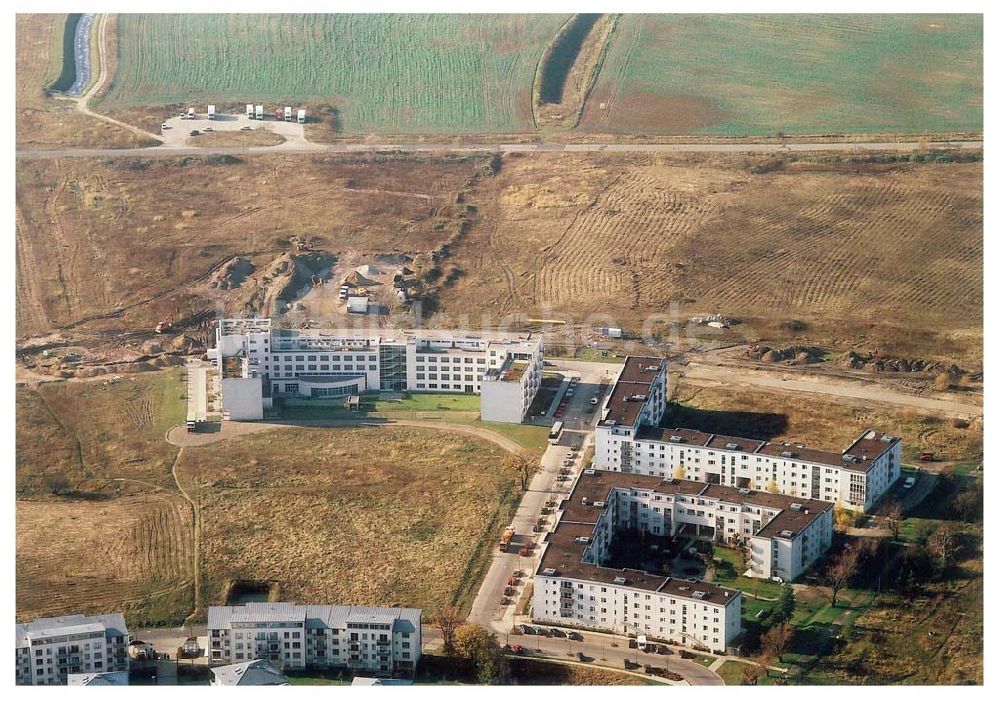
x=395, y=258
x=271, y=290
x=790, y=355
x=875, y=362
x=356, y=279
x=232, y=274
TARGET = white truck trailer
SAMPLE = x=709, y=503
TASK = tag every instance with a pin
x=288, y=114
x=249, y=111
x=302, y=116
x=260, y=111
x=211, y=111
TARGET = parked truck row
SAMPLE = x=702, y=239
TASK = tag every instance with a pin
x=255, y=112
x=280, y=115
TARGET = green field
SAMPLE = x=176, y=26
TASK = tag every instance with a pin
x=382, y=73
x=797, y=74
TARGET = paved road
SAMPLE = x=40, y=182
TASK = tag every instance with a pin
x=696, y=373
x=486, y=608
x=597, y=649
x=307, y=147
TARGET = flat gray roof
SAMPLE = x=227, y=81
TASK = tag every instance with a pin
x=402, y=619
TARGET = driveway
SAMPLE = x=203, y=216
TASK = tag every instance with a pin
x=598, y=649
x=178, y=130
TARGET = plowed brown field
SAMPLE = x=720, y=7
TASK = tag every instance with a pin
x=131, y=554
x=884, y=254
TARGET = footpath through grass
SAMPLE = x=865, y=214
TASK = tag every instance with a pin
x=427, y=406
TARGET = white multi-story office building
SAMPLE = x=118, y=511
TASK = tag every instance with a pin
x=372, y=640
x=259, y=362
x=48, y=650
x=628, y=439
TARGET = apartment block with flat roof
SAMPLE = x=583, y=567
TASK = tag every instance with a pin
x=575, y=585
x=629, y=439
x=49, y=650
x=291, y=636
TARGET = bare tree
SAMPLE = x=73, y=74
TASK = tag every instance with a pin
x=751, y=673
x=775, y=640
x=841, y=571
x=448, y=618
x=893, y=515
x=943, y=545
x=522, y=465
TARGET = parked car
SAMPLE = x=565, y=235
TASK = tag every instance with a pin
x=573, y=635
x=194, y=132
x=517, y=650
x=632, y=643
x=208, y=129
x=164, y=126
x=580, y=656
x=246, y=128
x=926, y=457
x=557, y=633
x=910, y=481
x=593, y=400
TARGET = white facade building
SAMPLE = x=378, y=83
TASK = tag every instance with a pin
x=320, y=364
x=374, y=640
x=49, y=650
x=628, y=439
x=574, y=585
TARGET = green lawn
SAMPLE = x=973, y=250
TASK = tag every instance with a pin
x=428, y=406
x=396, y=73
x=534, y=438
x=800, y=74
x=732, y=674
x=430, y=401
x=748, y=585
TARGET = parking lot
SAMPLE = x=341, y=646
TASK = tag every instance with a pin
x=178, y=129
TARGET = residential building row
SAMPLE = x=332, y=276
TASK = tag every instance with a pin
x=259, y=362
x=575, y=586
x=78, y=647
x=628, y=438
x=381, y=641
